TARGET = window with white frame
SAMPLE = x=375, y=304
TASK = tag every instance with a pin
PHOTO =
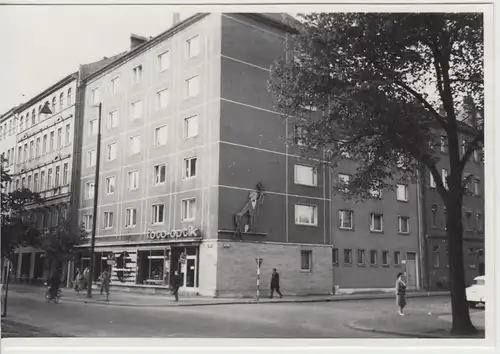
x=376, y=222
x=347, y=256
x=306, y=175
x=115, y=85
x=89, y=190
x=69, y=101
x=137, y=74
x=397, y=257
x=159, y=172
x=158, y=214
x=49, y=179
x=87, y=222
x=402, y=192
x=346, y=219
x=35, y=183
x=65, y=174
x=95, y=96
x=193, y=86
x=57, y=176
x=110, y=184
x=91, y=158
x=59, y=138
x=130, y=217
x=190, y=127
x=164, y=60
x=190, y=167
x=92, y=128
x=61, y=101
x=111, y=152
x=305, y=260
x=42, y=181
x=108, y=219
x=404, y=224
x=136, y=109
x=135, y=144
x=193, y=46
x=67, y=134
x=306, y=214
x=361, y=257
x=385, y=258
x=477, y=186
x=160, y=136
x=188, y=211
x=133, y=180
x=444, y=176
x=113, y=119
x=376, y=193
x=479, y=222
x=162, y=99
x=344, y=181
x=432, y=182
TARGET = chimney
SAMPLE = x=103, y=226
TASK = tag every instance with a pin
x=176, y=18
x=136, y=40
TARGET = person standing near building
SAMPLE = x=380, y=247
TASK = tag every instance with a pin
x=275, y=284
x=78, y=282
x=86, y=274
x=105, y=282
x=176, y=284
x=400, y=293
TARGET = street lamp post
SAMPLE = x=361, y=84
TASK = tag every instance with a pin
x=96, y=193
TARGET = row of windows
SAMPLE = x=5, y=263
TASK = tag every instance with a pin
x=44, y=145
x=476, y=182
x=188, y=213
x=163, y=64
x=471, y=252
x=468, y=223
x=361, y=257
x=41, y=181
x=346, y=221
x=401, y=189
x=477, y=155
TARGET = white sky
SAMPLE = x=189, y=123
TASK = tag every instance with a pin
x=43, y=44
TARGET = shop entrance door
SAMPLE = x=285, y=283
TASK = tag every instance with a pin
x=411, y=270
x=190, y=272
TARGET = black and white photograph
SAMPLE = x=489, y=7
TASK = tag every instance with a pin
x=191, y=172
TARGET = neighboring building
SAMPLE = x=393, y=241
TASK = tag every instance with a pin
x=435, y=243
x=8, y=130
x=188, y=131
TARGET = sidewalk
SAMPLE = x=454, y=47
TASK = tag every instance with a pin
x=418, y=325
x=12, y=329
x=143, y=300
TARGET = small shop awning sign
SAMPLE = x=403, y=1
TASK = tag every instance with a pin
x=189, y=232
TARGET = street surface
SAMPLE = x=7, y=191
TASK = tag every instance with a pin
x=275, y=320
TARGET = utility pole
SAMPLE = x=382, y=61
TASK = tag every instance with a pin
x=96, y=194
x=259, y=263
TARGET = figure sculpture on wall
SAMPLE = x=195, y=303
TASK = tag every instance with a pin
x=246, y=217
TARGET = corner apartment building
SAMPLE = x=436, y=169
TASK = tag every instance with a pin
x=188, y=131
x=8, y=130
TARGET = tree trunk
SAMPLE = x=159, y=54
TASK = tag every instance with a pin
x=459, y=307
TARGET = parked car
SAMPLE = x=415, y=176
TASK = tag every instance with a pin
x=476, y=292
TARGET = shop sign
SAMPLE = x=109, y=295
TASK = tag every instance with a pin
x=176, y=234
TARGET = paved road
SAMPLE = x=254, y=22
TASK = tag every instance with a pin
x=287, y=320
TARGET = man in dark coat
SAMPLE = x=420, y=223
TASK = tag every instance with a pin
x=275, y=284
x=176, y=284
x=55, y=283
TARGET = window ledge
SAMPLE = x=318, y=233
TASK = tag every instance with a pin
x=362, y=265
x=385, y=265
x=305, y=271
x=346, y=228
x=404, y=233
x=347, y=265
x=377, y=232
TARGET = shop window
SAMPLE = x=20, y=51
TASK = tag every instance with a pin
x=25, y=265
x=153, y=267
x=39, y=264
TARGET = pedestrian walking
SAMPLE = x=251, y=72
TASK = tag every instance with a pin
x=275, y=284
x=176, y=284
x=400, y=294
x=105, y=282
x=78, y=282
x=86, y=276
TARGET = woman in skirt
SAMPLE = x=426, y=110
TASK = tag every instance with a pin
x=400, y=294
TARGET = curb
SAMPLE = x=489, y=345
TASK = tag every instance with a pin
x=354, y=325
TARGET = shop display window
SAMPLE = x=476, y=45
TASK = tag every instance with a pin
x=153, y=267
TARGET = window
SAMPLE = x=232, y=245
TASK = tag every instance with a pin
x=188, y=211
x=137, y=74
x=444, y=176
x=373, y=257
x=70, y=97
x=479, y=222
x=305, y=260
x=347, y=256
x=402, y=192
x=477, y=187
x=193, y=86
x=51, y=144
x=115, y=84
x=65, y=174
x=32, y=149
x=444, y=143
x=133, y=180
x=158, y=213
x=59, y=138
x=67, y=134
x=343, y=181
x=49, y=179
x=95, y=96
x=299, y=134
x=164, y=60
x=465, y=145
x=21, y=124
x=376, y=193
x=335, y=256
x=162, y=99
x=91, y=158
x=159, y=174
x=468, y=217
x=432, y=182
x=30, y=187
x=111, y=152
x=42, y=181
x=89, y=190
x=306, y=214
x=87, y=222
x=130, y=217
x=306, y=175
x=37, y=151
x=35, y=182
x=190, y=127
x=397, y=257
x=93, y=127
x=445, y=212
x=108, y=219
x=135, y=144
x=190, y=167
x=434, y=209
x=136, y=109
x=160, y=136
x=346, y=219
x=23, y=182
x=377, y=222
x=193, y=46
x=477, y=155
x=110, y=184
x=26, y=155
x=53, y=108
x=58, y=176
x=404, y=224
x=436, y=256
x=61, y=101
x=385, y=258
x=20, y=154
x=361, y=257
x=113, y=119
